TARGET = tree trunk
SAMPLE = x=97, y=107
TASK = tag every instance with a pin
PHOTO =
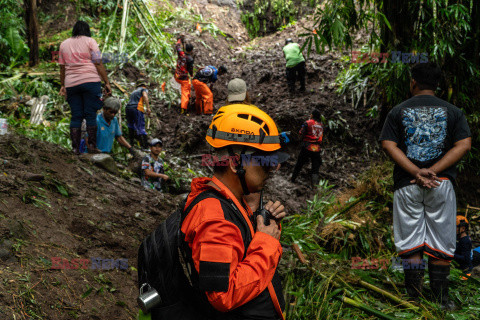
x=31, y=22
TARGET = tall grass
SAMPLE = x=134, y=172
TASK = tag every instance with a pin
x=326, y=287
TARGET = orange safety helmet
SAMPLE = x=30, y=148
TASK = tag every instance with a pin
x=462, y=221
x=246, y=125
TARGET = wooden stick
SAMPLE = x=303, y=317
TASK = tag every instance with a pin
x=299, y=253
x=120, y=87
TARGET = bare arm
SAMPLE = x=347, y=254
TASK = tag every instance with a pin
x=152, y=174
x=63, y=91
x=397, y=155
x=103, y=74
x=423, y=177
x=123, y=142
x=147, y=104
x=460, y=148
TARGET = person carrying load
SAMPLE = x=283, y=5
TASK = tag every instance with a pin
x=203, y=92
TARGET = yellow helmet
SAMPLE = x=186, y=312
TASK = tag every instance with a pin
x=246, y=125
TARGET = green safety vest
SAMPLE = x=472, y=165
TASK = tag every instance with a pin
x=293, y=54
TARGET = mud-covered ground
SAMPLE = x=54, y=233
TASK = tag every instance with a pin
x=53, y=204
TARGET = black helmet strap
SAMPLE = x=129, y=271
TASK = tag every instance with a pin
x=240, y=169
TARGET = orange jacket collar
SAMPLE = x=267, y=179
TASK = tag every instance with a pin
x=201, y=184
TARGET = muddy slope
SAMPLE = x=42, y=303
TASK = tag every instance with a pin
x=54, y=205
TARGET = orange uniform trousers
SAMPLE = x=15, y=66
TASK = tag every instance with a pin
x=185, y=87
x=203, y=97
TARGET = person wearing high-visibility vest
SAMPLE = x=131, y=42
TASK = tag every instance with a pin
x=312, y=137
x=295, y=65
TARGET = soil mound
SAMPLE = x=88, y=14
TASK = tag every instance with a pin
x=54, y=205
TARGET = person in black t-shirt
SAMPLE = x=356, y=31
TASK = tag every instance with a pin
x=425, y=136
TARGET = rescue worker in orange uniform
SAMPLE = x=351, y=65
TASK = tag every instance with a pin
x=184, y=69
x=203, y=92
x=312, y=136
x=235, y=254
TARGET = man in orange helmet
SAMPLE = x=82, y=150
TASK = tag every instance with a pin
x=463, y=251
x=236, y=254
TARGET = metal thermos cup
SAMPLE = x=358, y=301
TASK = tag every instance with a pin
x=149, y=299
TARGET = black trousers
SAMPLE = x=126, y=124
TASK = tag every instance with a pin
x=296, y=73
x=303, y=158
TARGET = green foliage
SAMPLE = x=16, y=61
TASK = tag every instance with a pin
x=98, y=5
x=57, y=133
x=302, y=228
x=12, y=45
x=261, y=17
x=312, y=291
x=441, y=29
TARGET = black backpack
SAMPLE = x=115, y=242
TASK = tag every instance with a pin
x=165, y=263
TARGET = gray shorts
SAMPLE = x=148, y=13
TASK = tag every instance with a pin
x=425, y=220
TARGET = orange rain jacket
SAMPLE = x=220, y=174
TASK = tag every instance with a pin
x=236, y=265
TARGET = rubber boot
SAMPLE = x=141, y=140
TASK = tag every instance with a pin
x=131, y=136
x=76, y=137
x=315, y=179
x=296, y=172
x=414, y=283
x=439, y=285
x=92, y=140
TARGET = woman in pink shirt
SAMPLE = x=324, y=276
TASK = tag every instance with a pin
x=81, y=72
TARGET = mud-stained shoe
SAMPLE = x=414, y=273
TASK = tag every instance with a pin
x=92, y=140
x=76, y=137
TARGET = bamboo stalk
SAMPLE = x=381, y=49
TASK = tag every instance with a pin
x=13, y=78
x=302, y=258
x=365, y=308
x=152, y=27
x=123, y=29
x=145, y=28
x=351, y=205
x=136, y=50
x=111, y=26
x=387, y=295
x=151, y=16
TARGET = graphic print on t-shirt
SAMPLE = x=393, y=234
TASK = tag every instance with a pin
x=425, y=132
